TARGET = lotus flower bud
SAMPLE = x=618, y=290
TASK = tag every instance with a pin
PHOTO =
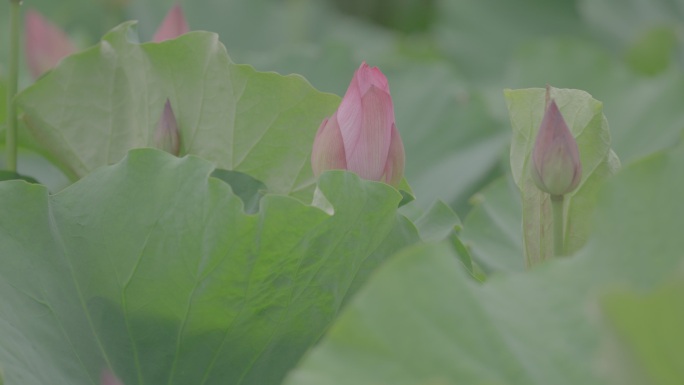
x=46, y=44
x=173, y=25
x=361, y=136
x=555, y=166
x=167, y=136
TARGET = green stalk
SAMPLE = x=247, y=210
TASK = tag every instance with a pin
x=557, y=207
x=11, y=140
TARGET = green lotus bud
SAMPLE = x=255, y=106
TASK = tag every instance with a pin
x=555, y=165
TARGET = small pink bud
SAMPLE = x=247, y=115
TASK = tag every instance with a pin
x=555, y=166
x=361, y=136
x=108, y=378
x=167, y=136
x=173, y=25
x=46, y=44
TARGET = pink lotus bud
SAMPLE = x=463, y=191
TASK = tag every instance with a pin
x=108, y=378
x=361, y=136
x=174, y=25
x=167, y=136
x=556, y=167
x=46, y=44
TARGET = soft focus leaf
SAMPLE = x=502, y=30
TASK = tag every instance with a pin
x=437, y=222
x=646, y=338
x=106, y=100
x=649, y=27
x=584, y=117
x=423, y=320
x=452, y=143
x=652, y=53
x=493, y=228
x=481, y=35
x=152, y=269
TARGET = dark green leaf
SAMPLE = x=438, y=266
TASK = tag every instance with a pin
x=11, y=175
x=248, y=189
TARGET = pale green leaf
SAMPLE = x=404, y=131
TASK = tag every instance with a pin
x=151, y=268
x=493, y=228
x=437, y=222
x=645, y=338
x=102, y=102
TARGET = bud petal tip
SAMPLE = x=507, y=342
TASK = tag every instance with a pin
x=45, y=43
x=167, y=136
x=109, y=378
x=173, y=25
x=555, y=162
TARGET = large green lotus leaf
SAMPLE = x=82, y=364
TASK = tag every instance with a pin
x=151, y=268
x=102, y=102
x=423, y=320
x=646, y=341
x=584, y=116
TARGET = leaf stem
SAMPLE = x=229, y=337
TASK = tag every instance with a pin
x=11, y=139
x=557, y=208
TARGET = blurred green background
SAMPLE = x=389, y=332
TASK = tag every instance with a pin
x=447, y=62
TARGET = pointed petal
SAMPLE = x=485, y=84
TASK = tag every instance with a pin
x=367, y=76
x=45, y=44
x=556, y=166
x=394, y=168
x=349, y=114
x=174, y=25
x=167, y=136
x=328, y=148
x=368, y=155
x=108, y=378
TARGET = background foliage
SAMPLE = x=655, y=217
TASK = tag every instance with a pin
x=424, y=317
